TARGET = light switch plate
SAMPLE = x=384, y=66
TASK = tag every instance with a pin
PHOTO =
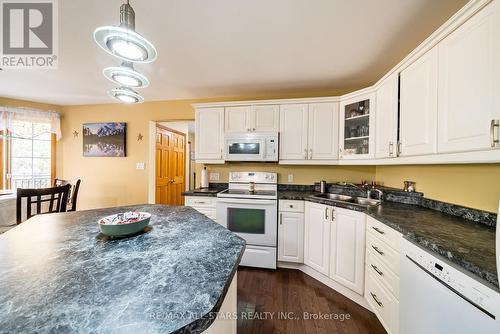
x=139, y=166
x=290, y=178
x=214, y=176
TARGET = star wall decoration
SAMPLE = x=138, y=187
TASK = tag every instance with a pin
x=75, y=134
x=139, y=137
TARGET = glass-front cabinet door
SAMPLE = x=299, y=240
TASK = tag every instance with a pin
x=357, y=127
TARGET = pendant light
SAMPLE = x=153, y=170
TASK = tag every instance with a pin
x=125, y=75
x=123, y=42
x=126, y=95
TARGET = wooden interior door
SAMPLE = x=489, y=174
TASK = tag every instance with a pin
x=170, y=166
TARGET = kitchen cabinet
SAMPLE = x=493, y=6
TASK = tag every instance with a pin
x=469, y=84
x=257, y=118
x=265, y=118
x=357, y=127
x=309, y=131
x=209, y=139
x=203, y=204
x=323, y=131
x=386, y=124
x=291, y=232
x=418, y=106
x=237, y=119
x=317, y=236
x=347, y=249
x=293, y=131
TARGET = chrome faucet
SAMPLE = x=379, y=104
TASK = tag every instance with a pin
x=380, y=193
x=364, y=188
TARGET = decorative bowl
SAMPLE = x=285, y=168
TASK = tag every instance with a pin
x=124, y=224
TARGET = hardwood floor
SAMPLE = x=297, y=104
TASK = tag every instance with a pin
x=287, y=293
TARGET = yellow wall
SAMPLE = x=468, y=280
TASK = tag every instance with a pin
x=476, y=186
x=42, y=106
x=301, y=174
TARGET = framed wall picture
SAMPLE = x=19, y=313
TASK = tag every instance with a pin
x=104, y=139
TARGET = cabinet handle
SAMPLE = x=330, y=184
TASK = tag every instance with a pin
x=391, y=148
x=494, y=124
x=310, y=153
x=399, y=149
x=305, y=153
x=374, y=296
x=377, y=270
x=281, y=219
x=333, y=214
x=253, y=129
x=326, y=213
x=377, y=250
x=221, y=152
x=378, y=230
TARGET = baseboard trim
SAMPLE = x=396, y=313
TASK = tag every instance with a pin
x=358, y=299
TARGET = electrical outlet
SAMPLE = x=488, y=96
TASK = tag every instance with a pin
x=290, y=178
x=139, y=166
x=214, y=176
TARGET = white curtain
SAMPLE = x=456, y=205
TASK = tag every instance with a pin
x=9, y=114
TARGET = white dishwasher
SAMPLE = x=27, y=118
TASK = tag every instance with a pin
x=436, y=298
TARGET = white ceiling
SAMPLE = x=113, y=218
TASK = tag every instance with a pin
x=233, y=48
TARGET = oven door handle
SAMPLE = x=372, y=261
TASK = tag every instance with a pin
x=253, y=201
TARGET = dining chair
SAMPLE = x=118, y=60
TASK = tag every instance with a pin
x=54, y=199
x=73, y=192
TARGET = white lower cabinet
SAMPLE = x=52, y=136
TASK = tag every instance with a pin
x=317, y=237
x=203, y=204
x=347, y=249
x=334, y=244
x=382, y=273
x=291, y=232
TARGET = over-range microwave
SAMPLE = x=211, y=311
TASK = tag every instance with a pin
x=256, y=146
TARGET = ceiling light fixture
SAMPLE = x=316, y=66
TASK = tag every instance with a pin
x=126, y=95
x=125, y=75
x=123, y=42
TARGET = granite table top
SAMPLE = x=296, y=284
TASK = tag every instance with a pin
x=59, y=274
x=466, y=244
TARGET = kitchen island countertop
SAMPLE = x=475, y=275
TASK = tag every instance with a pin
x=59, y=274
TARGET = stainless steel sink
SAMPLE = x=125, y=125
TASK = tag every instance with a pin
x=335, y=197
x=366, y=201
x=362, y=201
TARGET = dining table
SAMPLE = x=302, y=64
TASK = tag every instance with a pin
x=60, y=274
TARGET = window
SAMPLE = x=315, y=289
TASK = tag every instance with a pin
x=28, y=155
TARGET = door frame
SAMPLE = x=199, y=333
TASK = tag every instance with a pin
x=152, y=155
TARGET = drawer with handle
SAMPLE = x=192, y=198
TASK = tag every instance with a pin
x=382, y=272
x=200, y=201
x=291, y=205
x=384, y=233
x=383, y=252
x=385, y=306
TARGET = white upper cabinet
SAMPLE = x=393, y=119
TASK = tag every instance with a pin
x=238, y=119
x=265, y=118
x=323, y=131
x=386, y=124
x=469, y=84
x=418, y=106
x=209, y=140
x=317, y=236
x=293, y=131
x=347, y=249
x=257, y=118
x=357, y=127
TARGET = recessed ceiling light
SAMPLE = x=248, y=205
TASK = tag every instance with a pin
x=126, y=95
x=125, y=75
x=123, y=42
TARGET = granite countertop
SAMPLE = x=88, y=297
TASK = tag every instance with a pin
x=59, y=274
x=467, y=244
x=211, y=191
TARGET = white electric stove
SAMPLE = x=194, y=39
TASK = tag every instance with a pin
x=249, y=208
